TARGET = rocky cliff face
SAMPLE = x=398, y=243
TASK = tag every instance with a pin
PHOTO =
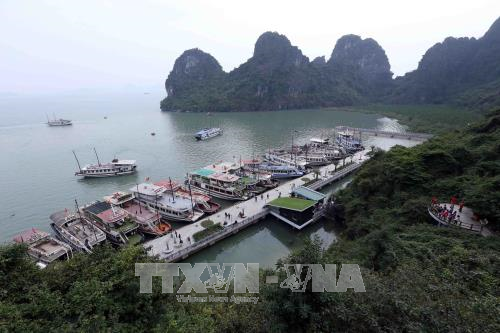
x=449, y=69
x=280, y=76
x=363, y=62
x=195, y=84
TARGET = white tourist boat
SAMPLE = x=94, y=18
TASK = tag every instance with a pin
x=58, y=122
x=346, y=140
x=168, y=205
x=222, y=185
x=207, y=133
x=115, y=168
x=285, y=159
x=276, y=171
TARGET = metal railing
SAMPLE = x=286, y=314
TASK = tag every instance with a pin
x=460, y=224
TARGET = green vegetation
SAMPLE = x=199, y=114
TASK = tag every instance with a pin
x=207, y=223
x=292, y=203
x=418, y=277
x=209, y=230
x=424, y=118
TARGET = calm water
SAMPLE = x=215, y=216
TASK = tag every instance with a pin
x=37, y=166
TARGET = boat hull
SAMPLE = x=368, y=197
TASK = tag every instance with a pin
x=219, y=195
x=74, y=245
x=104, y=175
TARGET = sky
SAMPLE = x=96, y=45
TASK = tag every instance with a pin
x=49, y=47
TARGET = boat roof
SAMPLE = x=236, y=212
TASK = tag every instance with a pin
x=62, y=216
x=119, y=197
x=278, y=167
x=124, y=162
x=224, y=177
x=252, y=161
x=222, y=167
x=166, y=184
x=148, y=189
x=344, y=133
x=318, y=140
x=97, y=207
x=29, y=236
x=179, y=203
x=207, y=129
x=308, y=193
x=203, y=172
x=112, y=215
x=295, y=204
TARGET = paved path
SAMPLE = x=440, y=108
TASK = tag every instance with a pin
x=168, y=244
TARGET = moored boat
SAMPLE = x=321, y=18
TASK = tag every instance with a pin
x=113, y=220
x=347, y=140
x=169, y=206
x=276, y=171
x=42, y=247
x=149, y=221
x=76, y=230
x=222, y=185
x=201, y=201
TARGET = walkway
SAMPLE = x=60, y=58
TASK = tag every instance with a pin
x=167, y=246
x=465, y=220
x=375, y=132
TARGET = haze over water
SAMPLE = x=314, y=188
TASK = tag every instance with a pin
x=37, y=164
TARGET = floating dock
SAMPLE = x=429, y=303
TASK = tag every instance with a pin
x=169, y=248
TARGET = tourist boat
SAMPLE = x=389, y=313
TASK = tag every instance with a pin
x=318, y=142
x=276, y=171
x=76, y=230
x=169, y=206
x=222, y=185
x=201, y=201
x=58, y=122
x=42, y=247
x=315, y=159
x=348, y=142
x=113, y=220
x=115, y=168
x=285, y=159
x=149, y=221
x=207, y=133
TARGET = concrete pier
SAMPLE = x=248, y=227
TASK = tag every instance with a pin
x=168, y=247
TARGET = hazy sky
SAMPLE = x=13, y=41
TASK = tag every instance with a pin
x=56, y=46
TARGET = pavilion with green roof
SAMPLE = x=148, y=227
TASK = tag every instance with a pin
x=299, y=210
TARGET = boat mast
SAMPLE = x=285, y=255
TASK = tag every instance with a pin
x=77, y=162
x=190, y=193
x=171, y=189
x=139, y=201
x=98, y=162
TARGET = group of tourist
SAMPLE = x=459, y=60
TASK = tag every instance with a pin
x=447, y=213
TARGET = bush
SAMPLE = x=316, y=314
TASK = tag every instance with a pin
x=207, y=223
x=212, y=229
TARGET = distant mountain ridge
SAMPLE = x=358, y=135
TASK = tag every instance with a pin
x=463, y=71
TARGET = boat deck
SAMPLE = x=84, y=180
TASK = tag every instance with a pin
x=141, y=213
